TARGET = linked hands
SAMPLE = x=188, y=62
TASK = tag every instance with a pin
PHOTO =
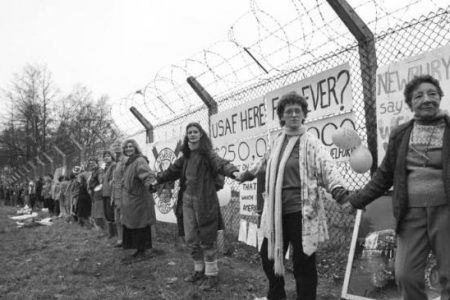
x=348, y=208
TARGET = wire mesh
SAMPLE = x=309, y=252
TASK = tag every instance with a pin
x=278, y=53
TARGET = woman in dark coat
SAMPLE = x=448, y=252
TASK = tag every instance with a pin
x=84, y=202
x=198, y=170
x=137, y=205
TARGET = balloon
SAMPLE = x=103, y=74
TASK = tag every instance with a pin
x=224, y=195
x=360, y=159
x=346, y=138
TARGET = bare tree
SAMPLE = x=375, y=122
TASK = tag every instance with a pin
x=31, y=94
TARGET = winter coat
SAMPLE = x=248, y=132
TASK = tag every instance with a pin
x=137, y=204
x=84, y=202
x=107, y=179
x=207, y=205
x=95, y=179
x=117, y=175
x=62, y=190
x=393, y=172
x=46, y=190
x=318, y=172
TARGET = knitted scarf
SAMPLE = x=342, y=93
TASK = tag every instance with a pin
x=274, y=185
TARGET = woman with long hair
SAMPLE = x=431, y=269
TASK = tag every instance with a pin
x=137, y=205
x=199, y=170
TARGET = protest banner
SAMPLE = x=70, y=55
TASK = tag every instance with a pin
x=392, y=109
x=161, y=154
x=370, y=272
x=328, y=93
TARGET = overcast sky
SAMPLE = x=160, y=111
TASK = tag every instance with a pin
x=116, y=47
x=113, y=47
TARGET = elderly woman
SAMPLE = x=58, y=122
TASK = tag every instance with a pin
x=137, y=205
x=296, y=167
x=417, y=165
x=108, y=208
x=200, y=169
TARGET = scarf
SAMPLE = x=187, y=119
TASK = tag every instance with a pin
x=439, y=116
x=274, y=184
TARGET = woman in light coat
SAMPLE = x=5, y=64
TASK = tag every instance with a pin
x=297, y=170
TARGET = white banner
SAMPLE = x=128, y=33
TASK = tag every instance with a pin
x=161, y=154
x=327, y=93
x=392, y=109
x=243, y=121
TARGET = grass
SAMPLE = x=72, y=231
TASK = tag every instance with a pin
x=66, y=261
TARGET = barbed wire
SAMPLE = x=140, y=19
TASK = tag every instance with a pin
x=260, y=44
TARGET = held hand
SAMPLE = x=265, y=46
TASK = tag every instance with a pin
x=237, y=176
x=348, y=208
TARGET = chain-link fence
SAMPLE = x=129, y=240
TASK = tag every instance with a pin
x=394, y=44
x=405, y=40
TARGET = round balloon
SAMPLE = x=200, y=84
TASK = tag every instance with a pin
x=224, y=195
x=361, y=159
x=346, y=138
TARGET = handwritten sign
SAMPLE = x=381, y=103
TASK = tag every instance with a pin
x=392, y=109
x=243, y=121
x=327, y=93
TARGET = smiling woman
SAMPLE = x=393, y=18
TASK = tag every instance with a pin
x=296, y=167
x=417, y=166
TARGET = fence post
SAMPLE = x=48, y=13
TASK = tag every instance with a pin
x=211, y=104
x=368, y=65
x=64, y=158
x=81, y=148
x=27, y=171
x=33, y=167
x=147, y=125
x=39, y=161
x=52, y=162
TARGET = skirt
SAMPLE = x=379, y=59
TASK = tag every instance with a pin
x=97, y=206
x=137, y=238
x=108, y=209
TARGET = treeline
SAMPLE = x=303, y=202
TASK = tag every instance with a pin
x=38, y=116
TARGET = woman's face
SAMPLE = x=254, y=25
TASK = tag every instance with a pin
x=93, y=164
x=129, y=149
x=425, y=101
x=193, y=134
x=107, y=158
x=293, y=116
